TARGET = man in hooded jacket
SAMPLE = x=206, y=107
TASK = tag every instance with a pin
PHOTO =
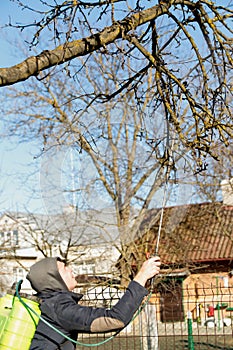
x=54, y=281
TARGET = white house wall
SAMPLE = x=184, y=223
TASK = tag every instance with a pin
x=93, y=257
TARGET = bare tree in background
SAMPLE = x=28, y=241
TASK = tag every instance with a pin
x=122, y=151
x=77, y=237
x=187, y=44
x=207, y=183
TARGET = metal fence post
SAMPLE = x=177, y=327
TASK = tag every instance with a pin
x=190, y=331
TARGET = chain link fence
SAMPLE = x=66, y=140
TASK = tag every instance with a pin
x=197, y=321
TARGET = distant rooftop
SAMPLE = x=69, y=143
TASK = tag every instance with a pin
x=191, y=233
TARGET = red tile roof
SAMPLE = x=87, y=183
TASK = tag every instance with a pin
x=191, y=233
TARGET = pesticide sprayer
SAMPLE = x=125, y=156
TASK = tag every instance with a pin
x=17, y=323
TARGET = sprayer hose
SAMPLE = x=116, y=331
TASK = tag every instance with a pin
x=30, y=310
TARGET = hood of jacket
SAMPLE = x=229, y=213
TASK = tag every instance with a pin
x=44, y=276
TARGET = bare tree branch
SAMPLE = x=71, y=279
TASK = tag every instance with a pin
x=70, y=50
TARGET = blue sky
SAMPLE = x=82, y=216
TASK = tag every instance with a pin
x=14, y=156
x=8, y=11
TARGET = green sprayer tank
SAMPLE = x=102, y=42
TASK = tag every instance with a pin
x=17, y=321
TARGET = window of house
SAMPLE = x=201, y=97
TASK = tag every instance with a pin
x=1, y=237
x=9, y=238
x=15, y=237
x=18, y=273
x=87, y=268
